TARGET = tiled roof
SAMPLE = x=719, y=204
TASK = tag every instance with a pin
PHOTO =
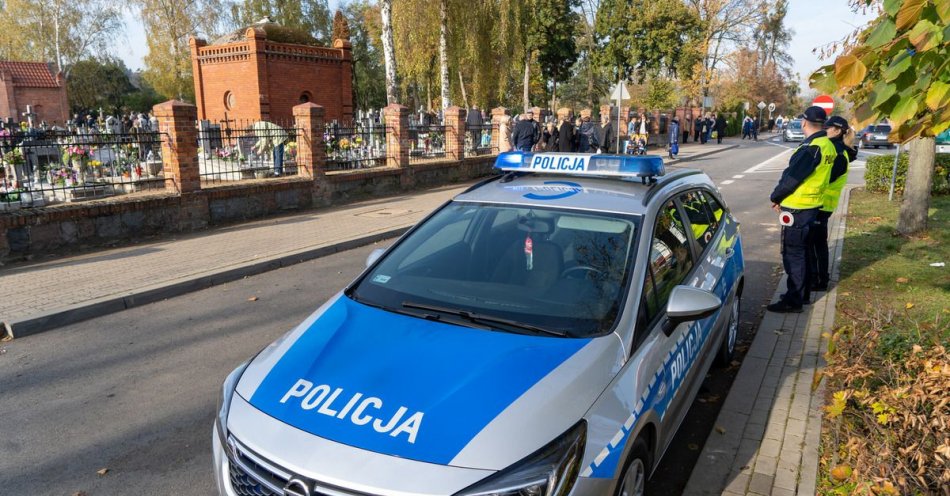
x=30, y=74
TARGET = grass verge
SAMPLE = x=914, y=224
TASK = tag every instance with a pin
x=887, y=415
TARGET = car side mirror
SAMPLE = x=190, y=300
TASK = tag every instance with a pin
x=686, y=304
x=374, y=256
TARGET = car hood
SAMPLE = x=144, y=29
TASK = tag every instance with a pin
x=425, y=390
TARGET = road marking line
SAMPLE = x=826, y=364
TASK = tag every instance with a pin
x=767, y=161
x=738, y=176
x=726, y=182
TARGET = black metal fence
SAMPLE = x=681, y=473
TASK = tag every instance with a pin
x=354, y=146
x=45, y=167
x=478, y=139
x=426, y=142
x=237, y=150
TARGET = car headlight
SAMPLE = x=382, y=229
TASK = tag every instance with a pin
x=550, y=471
x=224, y=401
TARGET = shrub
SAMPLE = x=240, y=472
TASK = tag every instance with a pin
x=877, y=177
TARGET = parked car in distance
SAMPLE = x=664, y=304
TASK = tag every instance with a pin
x=874, y=135
x=793, y=131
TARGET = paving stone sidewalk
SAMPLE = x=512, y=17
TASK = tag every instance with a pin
x=767, y=434
x=44, y=295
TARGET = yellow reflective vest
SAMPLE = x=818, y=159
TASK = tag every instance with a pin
x=810, y=193
x=829, y=199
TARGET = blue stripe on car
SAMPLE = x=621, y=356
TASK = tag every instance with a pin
x=453, y=379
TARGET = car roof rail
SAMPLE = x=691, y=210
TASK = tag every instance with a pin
x=664, y=180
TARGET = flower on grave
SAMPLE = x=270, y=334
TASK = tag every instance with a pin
x=14, y=157
x=344, y=144
x=75, y=152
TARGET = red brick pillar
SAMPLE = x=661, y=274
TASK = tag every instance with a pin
x=177, y=120
x=498, y=142
x=311, y=154
x=397, y=135
x=455, y=133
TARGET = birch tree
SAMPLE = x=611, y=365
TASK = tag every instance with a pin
x=60, y=31
x=392, y=83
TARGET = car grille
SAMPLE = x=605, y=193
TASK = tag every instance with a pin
x=252, y=475
x=244, y=485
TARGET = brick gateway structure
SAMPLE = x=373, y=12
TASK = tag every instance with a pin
x=255, y=74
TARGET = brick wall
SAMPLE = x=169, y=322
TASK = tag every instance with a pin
x=49, y=104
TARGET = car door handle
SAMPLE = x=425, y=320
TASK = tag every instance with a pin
x=730, y=252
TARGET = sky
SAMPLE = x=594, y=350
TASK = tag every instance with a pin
x=815, y=23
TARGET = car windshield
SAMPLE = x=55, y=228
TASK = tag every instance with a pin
x=509, y=268
x=795, y=125
x=881, y=129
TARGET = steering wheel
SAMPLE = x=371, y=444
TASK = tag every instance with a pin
x=578, y=268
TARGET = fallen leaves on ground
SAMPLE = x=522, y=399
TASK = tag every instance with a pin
x=253, y=298
x=102, y=471
x=902, y=280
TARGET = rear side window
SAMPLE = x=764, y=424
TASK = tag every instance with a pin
x=702, y=220
x=670, y=259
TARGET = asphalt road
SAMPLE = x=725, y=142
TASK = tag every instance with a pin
x=134, y=393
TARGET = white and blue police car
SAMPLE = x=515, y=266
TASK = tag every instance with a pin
x=541, y=334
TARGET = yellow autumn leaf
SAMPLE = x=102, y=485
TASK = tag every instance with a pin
x=849, y=71
x=909, y=305
x=909, y=13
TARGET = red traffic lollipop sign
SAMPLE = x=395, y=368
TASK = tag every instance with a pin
x=825, y=102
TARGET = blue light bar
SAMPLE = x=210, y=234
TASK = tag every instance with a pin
x=582, y=164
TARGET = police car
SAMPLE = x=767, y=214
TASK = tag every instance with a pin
x=543, y=333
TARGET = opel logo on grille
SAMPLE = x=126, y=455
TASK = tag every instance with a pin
x=296, y=487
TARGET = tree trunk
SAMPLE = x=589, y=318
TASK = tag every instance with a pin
x=527, y=79
x=554, y=98
x=462, y=86
x=443, y=53
x=920, y=171
x=389, y=52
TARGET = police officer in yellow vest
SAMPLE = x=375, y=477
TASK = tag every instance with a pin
x=842, y=136
x=797, y=198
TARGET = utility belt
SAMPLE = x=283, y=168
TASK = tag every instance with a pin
x=797, y=217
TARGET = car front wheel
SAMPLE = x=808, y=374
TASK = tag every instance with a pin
x=633, y=480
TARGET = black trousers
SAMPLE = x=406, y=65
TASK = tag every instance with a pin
x=686, y=136
x=797, y=258
x=818, y=245
x=719, y=136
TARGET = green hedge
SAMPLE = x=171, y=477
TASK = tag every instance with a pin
x=877, y=177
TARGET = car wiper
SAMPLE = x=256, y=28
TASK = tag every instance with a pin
x=486, y=319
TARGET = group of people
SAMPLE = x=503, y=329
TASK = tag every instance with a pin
x=704, y=128
x=587, y=135
x=750, y=128
x=805, y=197
x=566, y=135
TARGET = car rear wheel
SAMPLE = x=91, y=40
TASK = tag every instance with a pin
x=728, y=346
x=633, y=480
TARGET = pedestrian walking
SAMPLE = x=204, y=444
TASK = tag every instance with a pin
x=697, y=128
x=674, y=138
x=526, y=133
x=504, y=134
x=587, y=136
x=565, y=134
x=797, y=199
x=842, y=136
x=708, y=123
x=687, y=125
x=607, y=138
x=720, y=128
x=549, y=138
x=755, y=129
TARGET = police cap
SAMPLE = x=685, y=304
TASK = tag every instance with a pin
x=814, y=114
x=838, y=122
